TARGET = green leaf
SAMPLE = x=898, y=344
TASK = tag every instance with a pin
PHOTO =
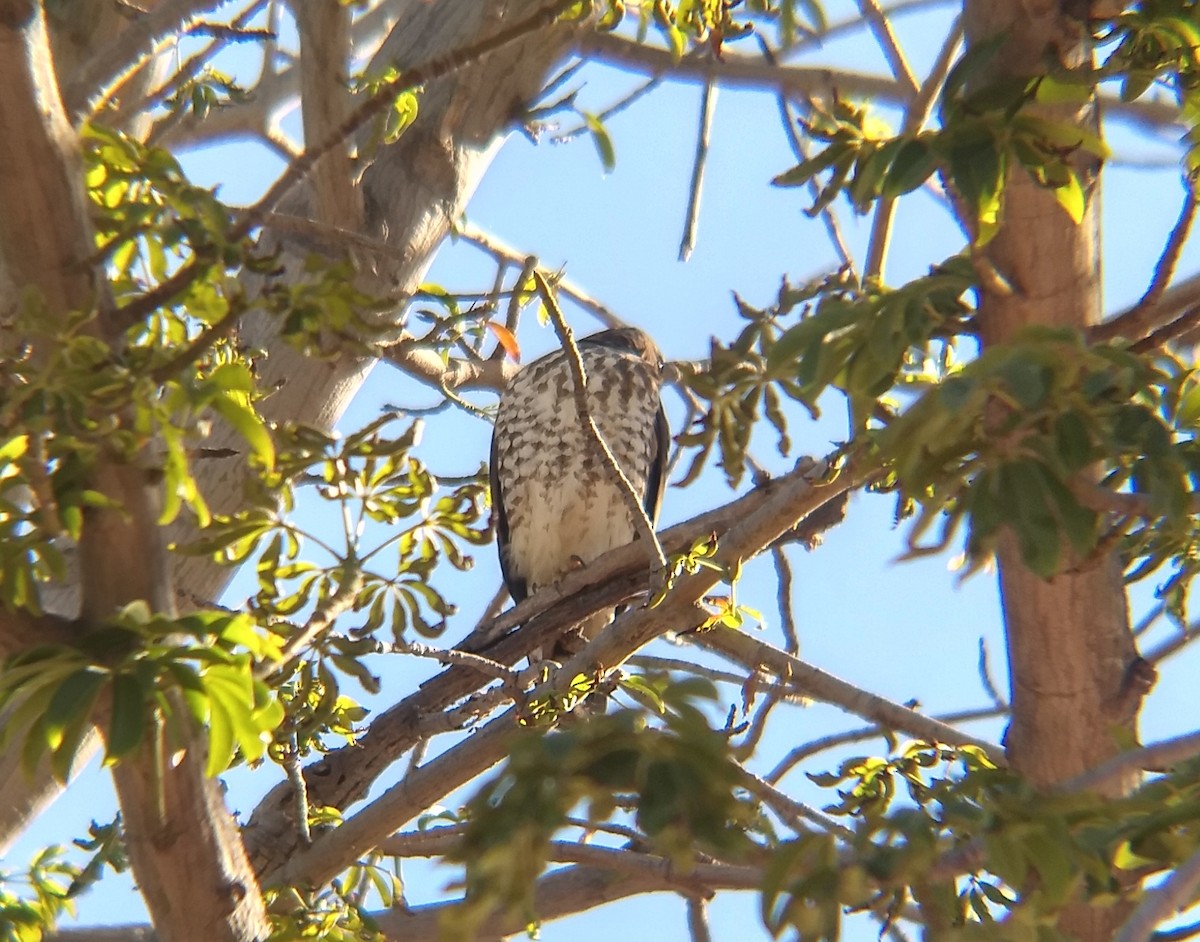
x=72, y=701
x=1071, y=197
x=249, y=425
x=602, y=140
x=915, y=161
x=127, y=724
x=805, y=171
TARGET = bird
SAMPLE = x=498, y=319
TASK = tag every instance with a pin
x=556, y=503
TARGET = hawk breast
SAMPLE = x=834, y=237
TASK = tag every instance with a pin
x=555, y=499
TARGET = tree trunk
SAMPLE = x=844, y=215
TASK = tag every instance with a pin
x=411, y=195
x=1069, y=642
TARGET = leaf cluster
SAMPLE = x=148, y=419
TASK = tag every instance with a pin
x=1019, y=438
x=679, y=770
x=140, y=667
x=982, y=854
x=986, y=129
x=863, y=340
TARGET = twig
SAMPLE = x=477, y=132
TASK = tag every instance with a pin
x=512, y=315
x=802, y=752
x=616, y=108
x=295, y=777
x=791, y=811
x=436, y=68
x=697, y=919
x=1159, y=755
x=915, y=116
x=708, y=107
x=985, y=677
x=1175, y=893
x=1138, y=321
x=886, y=38
x=832, y=226
x=451, y=656
x=320, y=622
x=95, y=80
x=499, y=250
x=641, y=522
x=1177, y=642
x=1190, y=931
x=787, y=617
x=816, y=683
x=737, y=70
x=1184, y=324
x=191, y=68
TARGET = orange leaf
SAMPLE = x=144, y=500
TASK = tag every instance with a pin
x=507, y=339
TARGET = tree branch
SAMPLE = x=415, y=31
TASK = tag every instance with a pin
x=816, y=683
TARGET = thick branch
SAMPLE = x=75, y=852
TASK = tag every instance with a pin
x=343, y=776
x=743, y=71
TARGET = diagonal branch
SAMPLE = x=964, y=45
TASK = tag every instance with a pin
x=637, y=512
x=818, y=684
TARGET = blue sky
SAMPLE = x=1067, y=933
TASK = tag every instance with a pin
x=902, y=630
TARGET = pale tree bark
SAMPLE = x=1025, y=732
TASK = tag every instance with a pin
x=410, y=197
x=187, y=859
x=1070, y=647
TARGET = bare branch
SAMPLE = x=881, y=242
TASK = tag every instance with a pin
x=1138, y=322
x=742, y=71
x=697, y=918
x=637, y=512
x=816, y=683
x=886, y=37
x=112, y=63
x=1159, y=755
x=501, y=251
x=915, y=116
x=802, y=752
x=1174, y=894
x=708, y=107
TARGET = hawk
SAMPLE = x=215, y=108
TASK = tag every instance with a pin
x=556, y=502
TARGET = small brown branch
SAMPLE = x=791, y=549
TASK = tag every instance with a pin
x=1139, y=321
x=295, y=777
x=512, y=316
x=96, y=80
x=1176, y=893
x=744, y=71
x=697, y=920
x=864, y=733
x=816, y=683
x=800, y=151
x=503, y=252
x=708, y=108
x=1159, y=755
x=320, y=622
x=1183, y=325
x=579, y=888
x=787, y=616
x=637, y=512
x=915, y=116
x=886, y=37
x=448, y=656
x=436, y=68
x=794, y=813
x=224, y=34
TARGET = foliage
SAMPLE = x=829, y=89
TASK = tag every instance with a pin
x=1071, y=447
x=677, y=772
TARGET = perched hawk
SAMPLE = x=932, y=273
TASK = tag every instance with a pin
x=556, y=503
